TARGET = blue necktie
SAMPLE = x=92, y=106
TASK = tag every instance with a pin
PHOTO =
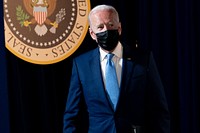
x=112, y=86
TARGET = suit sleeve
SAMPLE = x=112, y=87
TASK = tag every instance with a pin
x=71, y=113
x=159, y=117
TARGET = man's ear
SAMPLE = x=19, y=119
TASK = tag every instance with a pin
x=120, y=28
x=92, y=34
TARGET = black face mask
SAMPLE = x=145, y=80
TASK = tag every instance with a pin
x=108, y=39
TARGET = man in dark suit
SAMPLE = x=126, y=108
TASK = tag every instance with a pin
x=140, y=103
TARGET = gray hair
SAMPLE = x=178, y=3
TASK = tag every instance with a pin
x=101, y=8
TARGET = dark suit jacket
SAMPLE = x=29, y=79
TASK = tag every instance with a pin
x=142, y=104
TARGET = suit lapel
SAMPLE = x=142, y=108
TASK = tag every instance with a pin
x=97, y=74
x=95, y=67
x=126, y=72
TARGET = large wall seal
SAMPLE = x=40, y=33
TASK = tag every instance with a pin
x=45, y=31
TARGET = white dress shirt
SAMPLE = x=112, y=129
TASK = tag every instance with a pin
x=117, y=59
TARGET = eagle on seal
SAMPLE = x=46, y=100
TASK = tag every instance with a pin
x=40, y=10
